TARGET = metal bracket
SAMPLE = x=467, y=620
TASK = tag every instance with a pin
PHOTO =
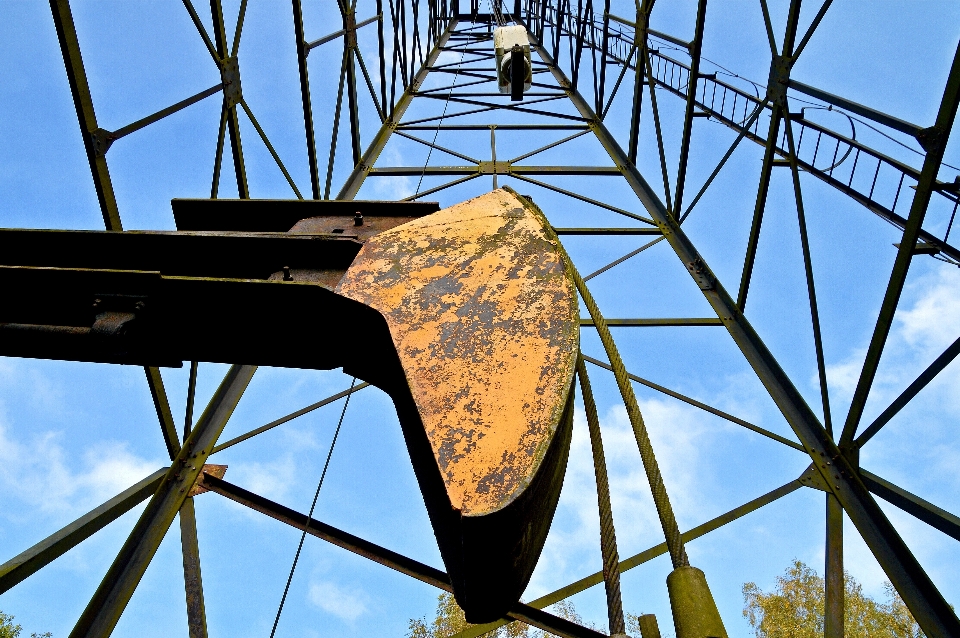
x=704, y=278
x=930, y=138
x=827, y=476
x=102, y=139
x=923, y=248
x=494, y=168
x=116, y=314
x=948, y=187
x=216, y=471
x=812, y=478
x=778, y=80
x=350, y=29
x=230, y=75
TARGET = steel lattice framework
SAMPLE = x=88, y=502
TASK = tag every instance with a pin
x=585, y=58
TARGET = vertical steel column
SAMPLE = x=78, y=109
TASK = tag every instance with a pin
x=692, y=82
x=192, y=581
x=233, y=123
x=95, y=146
x=776, y=93
x=302, y=52
x=493, y=152
x=936, y=145
x=336, y=126
x=640, y=42
x=167, y=427
x=833, y=617
x=350, y=46
x=383, y=59
x=601, y=91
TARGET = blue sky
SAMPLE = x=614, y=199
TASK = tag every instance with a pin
x=74, y=434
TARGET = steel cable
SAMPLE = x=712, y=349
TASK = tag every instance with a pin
x=608, y=535
x=446, y=103
x=671, y=531
x=313, y=505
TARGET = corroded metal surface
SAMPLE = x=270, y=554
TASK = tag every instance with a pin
x=208, y=468
x=484, y=318
x=358, y=228
x=348, y=226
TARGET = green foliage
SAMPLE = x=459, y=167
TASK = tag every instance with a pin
x=10, y=630
x=450, y=621
x=796, y=606
x=7, y=628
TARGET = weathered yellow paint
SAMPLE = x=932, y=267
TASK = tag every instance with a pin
x=485, y=321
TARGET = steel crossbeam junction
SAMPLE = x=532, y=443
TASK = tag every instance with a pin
x=422, y=74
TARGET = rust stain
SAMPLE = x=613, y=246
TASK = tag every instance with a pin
x=485, y=320
x=209, y=468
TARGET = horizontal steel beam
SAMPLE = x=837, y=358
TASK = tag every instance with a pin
x=666, y=321
x=333, y=36
x=502, y=168
x=59, y=543
x=499, y=127
x=112, y=136
x=280, y=215
x=607, y=231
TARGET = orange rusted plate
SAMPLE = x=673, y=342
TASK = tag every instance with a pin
x=484, y=318
x=217, y=471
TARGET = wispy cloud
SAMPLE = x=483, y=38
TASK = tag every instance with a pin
x=39, y=473
x=678, y=433
x=928, y=322
x=933, y=322
x=346, y=604
x=271, y=479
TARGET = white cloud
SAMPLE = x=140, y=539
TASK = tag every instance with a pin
x=394, y=188
x=927, y=322
x=346, y=604
x=933, y=322
x=39, y=473
x=678, y=434
x=843, y=376
x=270, y=479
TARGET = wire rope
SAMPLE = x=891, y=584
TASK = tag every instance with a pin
x=313, y=505
x=497, y=13
x=446, y=103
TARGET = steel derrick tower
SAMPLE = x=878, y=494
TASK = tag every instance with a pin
x=410, y=71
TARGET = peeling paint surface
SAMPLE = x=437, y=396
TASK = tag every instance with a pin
x=484, y=318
